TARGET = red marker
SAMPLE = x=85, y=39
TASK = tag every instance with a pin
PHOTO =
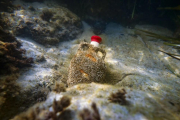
x=95, y=40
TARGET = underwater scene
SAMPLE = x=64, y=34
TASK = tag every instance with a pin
x=89, y=59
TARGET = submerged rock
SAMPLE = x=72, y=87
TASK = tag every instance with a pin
x=47, y=26
x=12, y=60
x=92, y=101
x=11, y=56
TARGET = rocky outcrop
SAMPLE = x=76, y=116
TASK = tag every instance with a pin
x=47, y=26
x=11, y=56
x=12, y=59
x=99, y=102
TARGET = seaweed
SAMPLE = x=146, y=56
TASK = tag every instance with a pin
x=164, y=38
x=118, y=97
x=132, y=16
x=175, y=42
x=87, y=114
x=170, y=54
x=11, y=55
x=39, y=112
x=169, y=8
x=58, y=106
x=12, y=58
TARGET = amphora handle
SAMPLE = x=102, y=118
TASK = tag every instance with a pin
x=86, y=46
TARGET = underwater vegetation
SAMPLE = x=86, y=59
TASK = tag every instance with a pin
x=59, y=110
x=118, y=97
x=38, y=112
x=175, y=42
x=174, y=14
x=11, y=55
x=169, y=8
x=170, y=41
x=58, y=106
x=87, y=114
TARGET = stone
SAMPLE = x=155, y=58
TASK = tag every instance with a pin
x=47, y=26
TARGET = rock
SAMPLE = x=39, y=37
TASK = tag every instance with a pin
x=94, y=99
x=11, y=56
x=12, y=59
x=47, y=26
x=154, y=29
